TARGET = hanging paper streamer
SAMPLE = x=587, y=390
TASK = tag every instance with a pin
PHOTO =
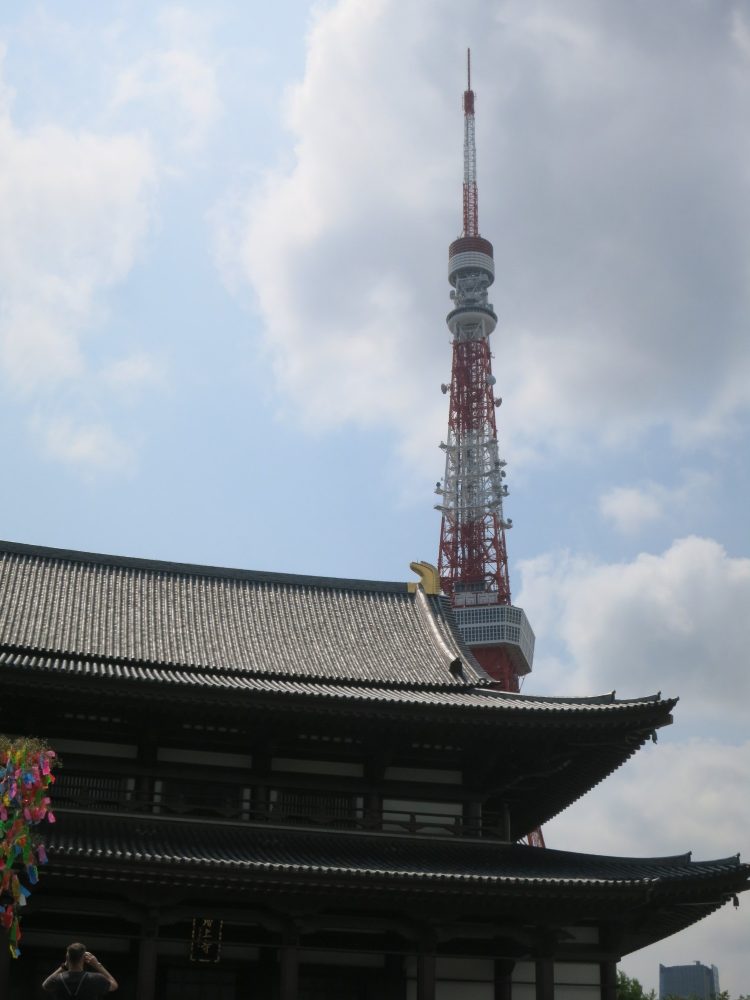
x=25, y=776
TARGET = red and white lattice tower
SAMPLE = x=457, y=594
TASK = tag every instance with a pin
x=473, y=561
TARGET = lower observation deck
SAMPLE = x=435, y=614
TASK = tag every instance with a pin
x=474, y=322
x=482, y=623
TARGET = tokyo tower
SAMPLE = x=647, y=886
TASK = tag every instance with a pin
x=473, y=560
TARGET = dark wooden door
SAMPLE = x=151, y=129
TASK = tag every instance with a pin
x=327, y=983
x=200, y=984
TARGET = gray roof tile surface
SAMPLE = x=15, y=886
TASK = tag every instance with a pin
x=81, y=616
x=480, y=697
x=228, y=620
x=235, y=848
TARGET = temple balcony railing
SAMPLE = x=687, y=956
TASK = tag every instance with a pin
x=264, y=804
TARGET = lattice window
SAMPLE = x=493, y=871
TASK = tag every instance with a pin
x=312, y=805
x=93, y=791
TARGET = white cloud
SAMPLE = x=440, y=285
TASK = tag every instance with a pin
x=611, y=178
x=74, y=212
x=131, y=374
x=741, y=31
x=177, y=80
x=672, y=798
x=629, y=508
x=675, y=622
x=90, y=447
x=6, y=92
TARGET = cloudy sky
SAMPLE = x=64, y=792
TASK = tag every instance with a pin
x=223, y=236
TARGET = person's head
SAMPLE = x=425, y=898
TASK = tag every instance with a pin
x=74, y=954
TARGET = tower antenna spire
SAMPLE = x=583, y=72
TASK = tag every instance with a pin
x=471, y=196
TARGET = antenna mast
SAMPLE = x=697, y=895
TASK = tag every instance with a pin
x=471, y=196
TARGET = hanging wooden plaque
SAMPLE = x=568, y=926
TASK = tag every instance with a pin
x=205, y=941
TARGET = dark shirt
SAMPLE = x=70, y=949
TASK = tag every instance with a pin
x=83, y=985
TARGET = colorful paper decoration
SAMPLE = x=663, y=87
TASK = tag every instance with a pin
x=25, y=776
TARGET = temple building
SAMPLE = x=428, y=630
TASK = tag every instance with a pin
x=299, y=788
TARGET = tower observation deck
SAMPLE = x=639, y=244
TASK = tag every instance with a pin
x=473, y=560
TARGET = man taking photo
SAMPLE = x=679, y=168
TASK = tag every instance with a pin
x=81, y=975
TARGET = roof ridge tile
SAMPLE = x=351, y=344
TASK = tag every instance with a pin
x=171, y=568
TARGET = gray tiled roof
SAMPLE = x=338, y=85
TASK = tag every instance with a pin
x=166, y=614
x=218, y=684
x=242, y=850
x=652, y=897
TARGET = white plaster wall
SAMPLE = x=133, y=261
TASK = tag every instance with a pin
x=577, y=981
x=421, y=807
x=91, y=748
x=313, y=956
x=457, y=979
x=455, y=990
x=423, y=774
x=301, y=765
x=523, y=980
x=175, y=755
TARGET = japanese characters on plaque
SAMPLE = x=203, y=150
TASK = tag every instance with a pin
x=205, y=941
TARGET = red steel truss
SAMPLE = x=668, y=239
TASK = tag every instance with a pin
x=473, y=555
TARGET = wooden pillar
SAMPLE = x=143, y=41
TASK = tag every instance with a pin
x=147, y=957
x=506, y=823
x=395, y=980
x=144, y=789
x=289, y=972
x=426, y=974
x=374, y=810
x=378, y=755
x=262, y=979
x=473, y=818
x=261, y=804
x=545, y=979
x=609, y=980
x=503, y=978
x=260, y=777
x=289, y=964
